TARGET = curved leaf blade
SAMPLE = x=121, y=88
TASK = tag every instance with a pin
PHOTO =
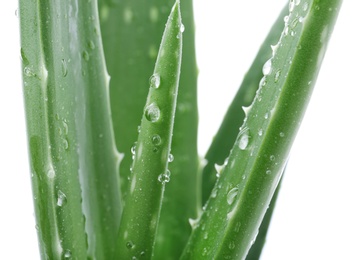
x=261, y=149
x=150, y=157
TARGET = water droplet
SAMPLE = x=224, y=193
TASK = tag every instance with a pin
x=286, y=30
x=267, y=67
x=282, y=134
x=292, y=33
x=272, y=158
x=85, y=55
x=142, y=254
x=286, y=18
x=305, y=6
x=67, y=254
x=16, y=12
x=301, y=19
x=64, y=67
x=129, y=245
x=61, y=198
x=243, y=139
x=268, y=172
x=182, y=27
x=204, y=252
x=65, y=144
x=260, y=132
x=51, y=173
x=163, y=178
x=152, y=113
x=28, y=72
x=263, y=82
x=277, y=76
x=65, y=127
x=266, y=116
x=155, y=81
x=156, y=140
x=139, y=129
x=232, y=194
x=91, y=45
x=297, y=2
x=23, y=57
x=170, y=158
x=133, y=148
x=214, y=192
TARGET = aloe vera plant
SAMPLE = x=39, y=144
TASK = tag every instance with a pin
x=84, y=207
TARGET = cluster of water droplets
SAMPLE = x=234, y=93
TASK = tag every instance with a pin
x=164, y=177
x=63, y=131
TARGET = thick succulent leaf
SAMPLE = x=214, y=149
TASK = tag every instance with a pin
x=131, y=32
x=182, y=193
x=151, y=153
x=72, y=151
x=232, y=215
x=224, y=139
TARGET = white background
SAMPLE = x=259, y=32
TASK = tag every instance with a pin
x=316, y=213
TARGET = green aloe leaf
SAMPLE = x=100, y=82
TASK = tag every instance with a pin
x=233, y=119
x=182, y=193
x=72, y=151
x=257, y=248
x=151, y=153
x=131, y=32
x=246, y=185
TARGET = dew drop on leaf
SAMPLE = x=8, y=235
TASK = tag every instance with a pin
x=129, y=245
x=232, y=194
x=267, y=67
x=67, y=254
x=85, y=55
x=61, y=198
x=156, y=140
x=277, y=76
x=152, y=113
x=51, y=173
x=155, y=81
x=133, y=148
x=170, y=158
x=28, y=72
x=91, y=45
x=243, y=139
x=64, y=67
x=165, y=177
x=182, y=27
